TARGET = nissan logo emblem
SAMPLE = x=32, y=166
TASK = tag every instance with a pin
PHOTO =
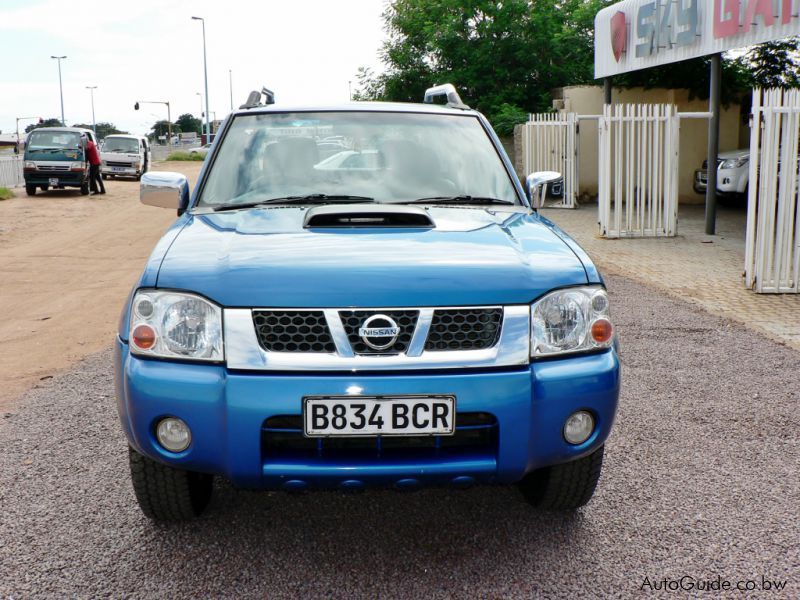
x=379, y=332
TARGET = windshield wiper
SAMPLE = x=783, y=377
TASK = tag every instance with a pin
x=459, y=200
x=307, y=199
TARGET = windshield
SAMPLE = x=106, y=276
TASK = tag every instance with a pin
x=41, y=140
x=120, y=145
x=390, y=157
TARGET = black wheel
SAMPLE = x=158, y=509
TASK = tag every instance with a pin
x=105, y=177
x=138, y=177
x=165, y=493
x=566, y=486
x=45, y=188
x=30, y=190
x=85, y=188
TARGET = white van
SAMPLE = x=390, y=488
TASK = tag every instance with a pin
x=125, y=156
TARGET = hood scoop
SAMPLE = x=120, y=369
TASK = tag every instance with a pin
x=367, y=216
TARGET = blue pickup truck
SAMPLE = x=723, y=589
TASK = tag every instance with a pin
x=401, y=316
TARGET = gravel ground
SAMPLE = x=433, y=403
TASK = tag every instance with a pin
x=700, y=479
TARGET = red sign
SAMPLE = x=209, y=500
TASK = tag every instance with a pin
x=619, y=34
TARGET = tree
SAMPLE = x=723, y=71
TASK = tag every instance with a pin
x=103, y=128
x=188, y=123
x=773, y=64
x=692, y=75
x=162, y=128
x=504, y=57
x=43, y=123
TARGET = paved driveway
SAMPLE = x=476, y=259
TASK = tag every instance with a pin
x=701, y=479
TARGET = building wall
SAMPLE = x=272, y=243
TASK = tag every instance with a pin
x=588, y=100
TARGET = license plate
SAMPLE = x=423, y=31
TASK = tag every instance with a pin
x=53, y=181
x=345, y=416
x=118, y=169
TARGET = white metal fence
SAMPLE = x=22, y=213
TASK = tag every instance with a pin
x=638, y=170
x=550, y=143
x=772, y=254
x=11, y=171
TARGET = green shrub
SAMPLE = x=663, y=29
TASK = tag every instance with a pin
x=185, y=156
x=5, y=193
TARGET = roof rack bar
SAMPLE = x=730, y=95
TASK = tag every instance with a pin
x=254, y=98
x=449, y=91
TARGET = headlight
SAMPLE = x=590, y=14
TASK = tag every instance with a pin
x=29, y=164
x=734, y=163
x=571, y=320
x=176, y=325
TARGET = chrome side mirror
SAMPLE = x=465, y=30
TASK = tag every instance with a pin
x=536, y=186
x=165, y=190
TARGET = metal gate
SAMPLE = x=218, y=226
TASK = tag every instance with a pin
x=638, y=170
x=11, y=171
x=772, y=255
x=551, y=144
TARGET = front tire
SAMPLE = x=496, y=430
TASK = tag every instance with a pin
x=30, y=190
x=168, y=494
x=566, y=486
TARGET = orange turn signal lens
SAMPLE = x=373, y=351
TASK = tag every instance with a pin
x=144, y=337
x=602, y=331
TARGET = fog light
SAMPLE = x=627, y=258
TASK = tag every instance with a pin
x=173, y=434
x=579, y=427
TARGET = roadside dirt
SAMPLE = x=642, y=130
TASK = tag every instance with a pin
x=67, y=263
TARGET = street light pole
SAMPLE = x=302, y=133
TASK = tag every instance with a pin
x=205, y=74
x=61, y=88
x=22, y=119
x=91, y=89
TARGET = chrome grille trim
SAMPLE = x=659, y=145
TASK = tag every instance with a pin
x=343, y=347
x=417, y=344
x=243, y=351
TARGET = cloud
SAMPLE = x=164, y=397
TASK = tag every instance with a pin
x=306, y=50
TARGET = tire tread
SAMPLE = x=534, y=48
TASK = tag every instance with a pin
x=566, y=486
x=165, y=493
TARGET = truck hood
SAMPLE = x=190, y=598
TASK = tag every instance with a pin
x=265, y=257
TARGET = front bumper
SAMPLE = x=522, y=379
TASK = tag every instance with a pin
x=729, y=181
x=124, y=171
x=65, y=178
x=227, y=411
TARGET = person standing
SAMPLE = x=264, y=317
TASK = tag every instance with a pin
x=94, y=167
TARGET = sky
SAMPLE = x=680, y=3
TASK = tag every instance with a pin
x=306, y=51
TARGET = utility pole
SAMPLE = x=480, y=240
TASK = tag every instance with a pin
x=61, y=88
x=205, y=72
x=91, y=89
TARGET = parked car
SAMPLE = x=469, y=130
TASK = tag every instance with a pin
x=733, y=174
x=125, y=156
x=200, y=149
x=301, y=328
x=55, y=157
